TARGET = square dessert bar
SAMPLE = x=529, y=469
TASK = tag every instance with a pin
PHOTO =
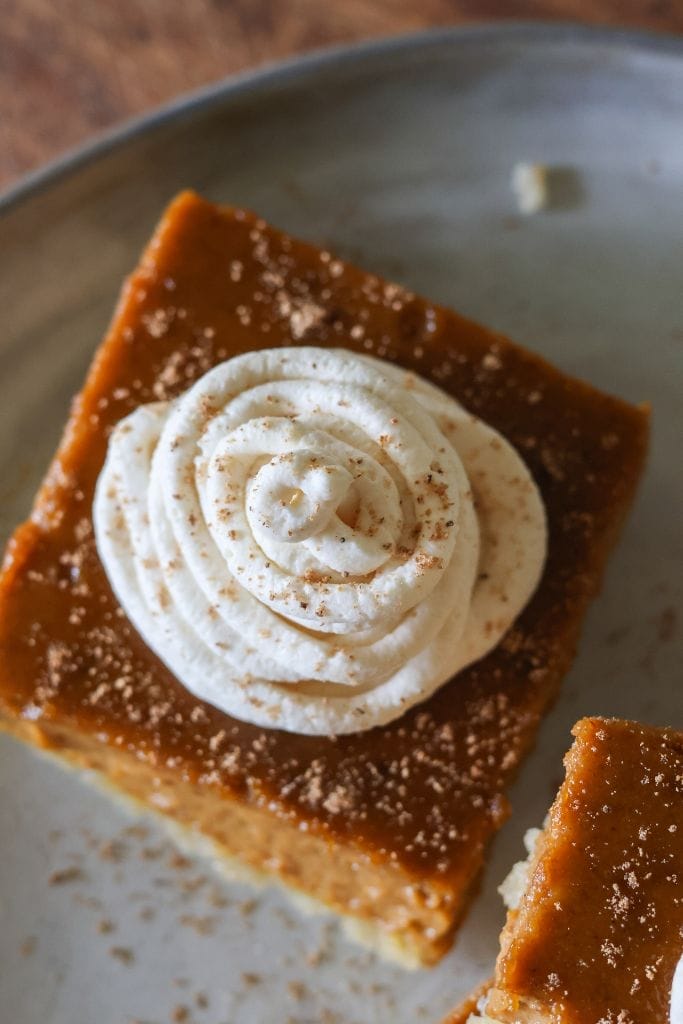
x=387, y=826
x=597, y=931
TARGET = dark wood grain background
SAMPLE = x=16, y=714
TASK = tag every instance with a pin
x=69, y=68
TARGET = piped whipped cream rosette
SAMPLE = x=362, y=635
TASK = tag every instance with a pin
x=314, y=540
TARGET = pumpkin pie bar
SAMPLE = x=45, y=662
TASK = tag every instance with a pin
x=386, y=826
x=595, y=929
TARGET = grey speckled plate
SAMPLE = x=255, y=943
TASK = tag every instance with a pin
x=399, y=156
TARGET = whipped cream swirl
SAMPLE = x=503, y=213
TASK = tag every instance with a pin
x=314, y=540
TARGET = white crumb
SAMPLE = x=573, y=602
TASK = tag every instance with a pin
x=513, y=886
x=530, y=185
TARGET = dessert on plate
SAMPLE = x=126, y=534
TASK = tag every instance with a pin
x=308, y=567
x=594, y=933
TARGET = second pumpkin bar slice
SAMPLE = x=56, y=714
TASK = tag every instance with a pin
x=595, y=927
x=386, y=826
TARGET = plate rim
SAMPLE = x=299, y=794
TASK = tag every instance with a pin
x=101, y=144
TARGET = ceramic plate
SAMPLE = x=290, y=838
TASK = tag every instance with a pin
x=399, y=156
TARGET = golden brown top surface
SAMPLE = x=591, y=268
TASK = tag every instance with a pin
x=427, y=789
x=600, y=930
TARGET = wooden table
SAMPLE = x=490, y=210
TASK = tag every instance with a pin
x=69, y=68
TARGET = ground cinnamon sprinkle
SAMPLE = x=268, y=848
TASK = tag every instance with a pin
x=28, y=946
x=65, y=875
x=123, y=954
